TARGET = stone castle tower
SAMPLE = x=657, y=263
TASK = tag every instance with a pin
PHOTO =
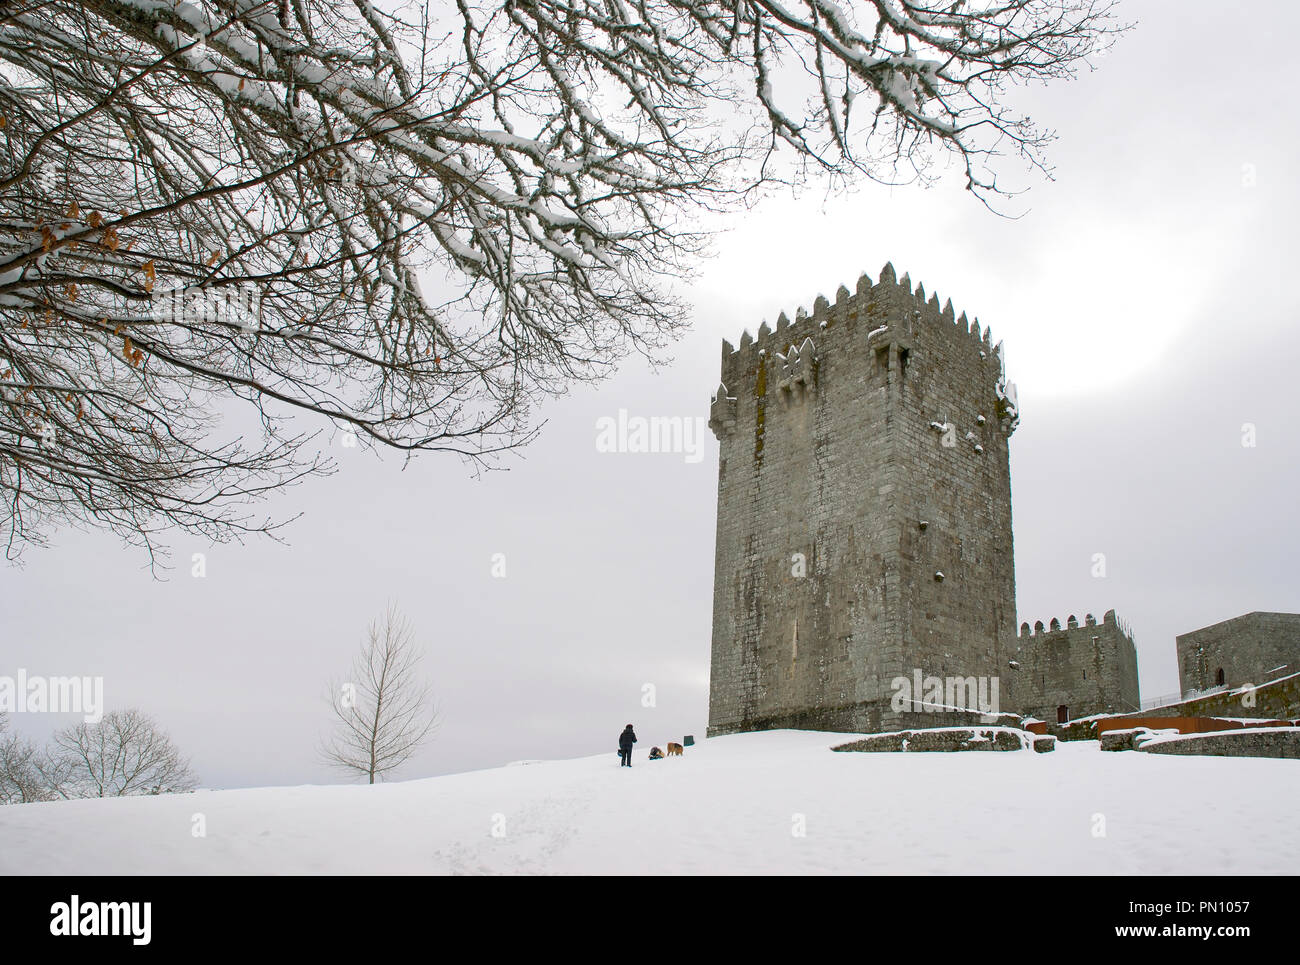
x=864, y=512
x=1078, y=669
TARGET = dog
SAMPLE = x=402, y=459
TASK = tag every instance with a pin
x=674, y=749
x=656, y=754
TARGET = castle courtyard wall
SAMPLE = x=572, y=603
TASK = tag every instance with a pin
x=1250, y=649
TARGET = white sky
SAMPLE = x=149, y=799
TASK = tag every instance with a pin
x=1147, y=307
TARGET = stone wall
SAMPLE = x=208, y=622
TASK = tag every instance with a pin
x=1249, y=649
x=1277, y=699
x=946, y=740
x=864, y=511
x=1088, y=668
x=1273, y=742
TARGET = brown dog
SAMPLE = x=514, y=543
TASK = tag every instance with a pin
x=674, y=749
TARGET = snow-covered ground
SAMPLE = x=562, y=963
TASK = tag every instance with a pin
x=730, y=805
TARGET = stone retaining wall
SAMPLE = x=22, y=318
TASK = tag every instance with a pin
x=1265, y=742
x=944, y=739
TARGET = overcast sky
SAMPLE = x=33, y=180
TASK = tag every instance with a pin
x=1147, y=304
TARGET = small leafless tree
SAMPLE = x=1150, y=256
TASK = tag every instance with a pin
x=21, y=776
x=126, y=753
x=219, y=215
x=385, y=711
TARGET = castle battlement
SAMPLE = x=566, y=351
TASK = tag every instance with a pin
x=848, y=305
x=875, y=319
x=1072, y=622
x=1077, y=669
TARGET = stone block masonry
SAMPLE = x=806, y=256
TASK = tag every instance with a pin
x=1249, y=649
x=948, y=740
x=1274, y=699
x=864, y=511
x=1077, y=670
x=1264, y=742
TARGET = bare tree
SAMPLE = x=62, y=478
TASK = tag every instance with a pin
x=126, y=753
x=385, y=711
x=21, y=777
x=220, y=215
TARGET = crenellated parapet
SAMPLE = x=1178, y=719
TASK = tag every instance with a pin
x=885, y=317
x=1109, y=619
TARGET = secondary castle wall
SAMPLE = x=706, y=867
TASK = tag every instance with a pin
x=1088, y=668
x=840, y=504
x=1249, y=649
x=1271, y=742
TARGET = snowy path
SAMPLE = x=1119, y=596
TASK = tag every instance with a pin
x=728, y=806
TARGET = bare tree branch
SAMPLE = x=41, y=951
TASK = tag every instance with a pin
x=226, y=225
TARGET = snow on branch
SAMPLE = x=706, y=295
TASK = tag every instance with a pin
x=437, y=213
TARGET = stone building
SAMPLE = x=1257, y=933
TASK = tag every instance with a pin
x=1077, y=670
x=864, y=512
x=1249, y=649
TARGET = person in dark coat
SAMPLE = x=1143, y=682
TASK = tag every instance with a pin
x=625, y=742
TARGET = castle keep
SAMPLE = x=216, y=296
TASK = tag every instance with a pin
x=864, y=577
x=864, y=511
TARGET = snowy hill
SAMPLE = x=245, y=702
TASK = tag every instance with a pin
x=730, y=805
